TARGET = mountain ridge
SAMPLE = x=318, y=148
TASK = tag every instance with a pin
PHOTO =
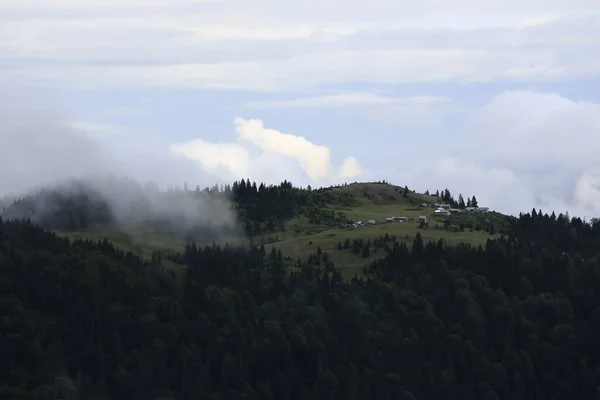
x=298, y=221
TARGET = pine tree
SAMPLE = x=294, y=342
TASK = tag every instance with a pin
x=447, y=197
x=366, y=252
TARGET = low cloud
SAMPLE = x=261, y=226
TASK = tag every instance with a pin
x=587, y=191
x=234, y=160
x=522, y=150
x=39, y=147
x=41, y=150
x=217, y=157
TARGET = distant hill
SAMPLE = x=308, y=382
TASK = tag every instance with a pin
x=378, y=201
x=298, y=221
x=119, y=203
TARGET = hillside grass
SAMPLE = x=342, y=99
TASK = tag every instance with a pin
x=372, y=201
x=378, y=201
x=142, y=242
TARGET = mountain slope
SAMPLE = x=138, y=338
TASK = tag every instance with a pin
x=379, y=201
x=296, y=221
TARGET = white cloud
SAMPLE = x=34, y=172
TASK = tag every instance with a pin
x=124, y=111
x=309, y=8
x=535, y=130
x=95, y=5
x=263, y=45
x=350, y=168
x=351, y=99
x=587, y=191
x=314, y=159
x=522, y=150
x=234, y=160
x=310, y=71
x=38, y=147
x=215, y=157
x=96, y=130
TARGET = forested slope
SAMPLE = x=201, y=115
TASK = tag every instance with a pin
x=297, y=221
x=518, y=319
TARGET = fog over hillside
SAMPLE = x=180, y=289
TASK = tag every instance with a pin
x=51, y=161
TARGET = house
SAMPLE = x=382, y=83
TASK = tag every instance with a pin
x=371, y=222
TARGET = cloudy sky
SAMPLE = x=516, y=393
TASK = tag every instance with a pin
x=496, y=99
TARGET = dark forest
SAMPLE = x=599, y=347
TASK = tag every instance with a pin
x=518, y=318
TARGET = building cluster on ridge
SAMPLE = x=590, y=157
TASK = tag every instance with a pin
x=441, y=209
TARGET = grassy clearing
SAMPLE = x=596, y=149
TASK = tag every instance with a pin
x=350, y=263
x=140, y=241
x=378, y=202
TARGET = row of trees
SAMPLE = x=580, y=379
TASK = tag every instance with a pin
x=448, y=198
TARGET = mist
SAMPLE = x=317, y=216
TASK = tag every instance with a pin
x=48, y=161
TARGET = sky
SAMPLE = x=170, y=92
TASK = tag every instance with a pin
x=495, y=99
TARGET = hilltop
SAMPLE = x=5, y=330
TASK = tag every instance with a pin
x=351, y=222
x=378, y=202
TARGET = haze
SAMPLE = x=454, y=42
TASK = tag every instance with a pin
x=497, y=100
